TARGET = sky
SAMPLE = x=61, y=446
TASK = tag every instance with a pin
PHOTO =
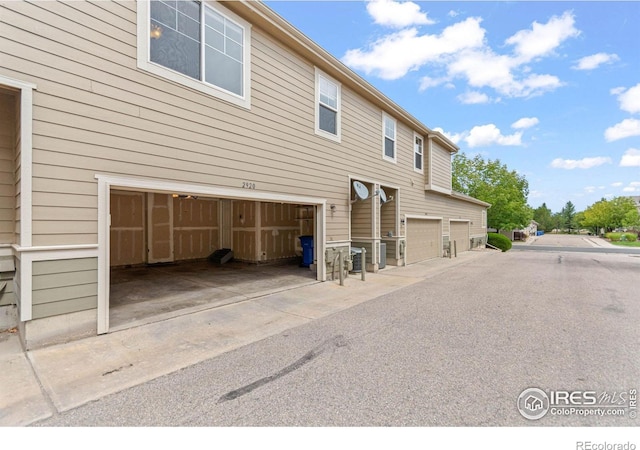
x=549, y=88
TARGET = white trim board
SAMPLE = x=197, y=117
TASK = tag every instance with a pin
x=26, y=155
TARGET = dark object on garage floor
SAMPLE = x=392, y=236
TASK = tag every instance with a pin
x=221, y=256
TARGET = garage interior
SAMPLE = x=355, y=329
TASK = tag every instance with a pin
x=161, y=243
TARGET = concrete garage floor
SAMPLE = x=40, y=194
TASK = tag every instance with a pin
x=141, y=295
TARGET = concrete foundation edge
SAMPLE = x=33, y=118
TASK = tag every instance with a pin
x=58, y=329
x=8, y=317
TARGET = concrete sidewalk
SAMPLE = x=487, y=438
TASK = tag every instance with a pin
x=40, y=383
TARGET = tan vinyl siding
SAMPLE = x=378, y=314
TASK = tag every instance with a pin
x=361, y=217
x=387, y=212
x=441, y=172
x=7, y=295
x=96, y=112
x=7, y=166
x=17, y=174
x=64, y=286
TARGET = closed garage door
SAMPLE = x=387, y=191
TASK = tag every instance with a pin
x=460, y=234
x=423, y=239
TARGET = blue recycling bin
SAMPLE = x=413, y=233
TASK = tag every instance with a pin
x=307, y=250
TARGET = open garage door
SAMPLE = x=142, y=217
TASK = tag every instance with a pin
x=155, y=239
x=174, y=272
x=423, y=239
x=459, y=232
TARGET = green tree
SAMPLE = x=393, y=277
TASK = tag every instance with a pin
x=578, y=219
x=598, y=216
x=558, y=221
x=542, y=214
x=606, y=215
x=568, y=214
x=625, y=213
x=492, y=182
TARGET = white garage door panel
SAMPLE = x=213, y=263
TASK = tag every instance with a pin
x=460, y=234
x=423, y=240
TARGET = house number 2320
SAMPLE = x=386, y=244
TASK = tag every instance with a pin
x=248, y=185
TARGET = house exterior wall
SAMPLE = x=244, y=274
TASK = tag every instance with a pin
x=7, y=166
x=440, y=167
x=96, y=112
x=64, y=286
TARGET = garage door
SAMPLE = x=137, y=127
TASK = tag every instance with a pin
x=423, y=240
x=460, y=234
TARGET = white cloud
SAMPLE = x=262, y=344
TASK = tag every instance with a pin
x=485, y=135
x=617, y=184
x=584, y=163
x=590, y=189
x=634, y=186
x=624, y=129
x=394, y=55
x=535, y=194
x=543, y=39
x=428, y=82
x=631, y=158
x=397, y=14
x=461, y=51
x=473, y=98
x=629, y=99
x=484, y=68
x=594, y=61
x=453, y=137
x=525, y=122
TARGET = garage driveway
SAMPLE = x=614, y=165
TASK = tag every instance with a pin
x=569, y=240
x=455, y=348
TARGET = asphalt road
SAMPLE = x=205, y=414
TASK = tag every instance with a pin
x=456, y=349
x=574, y=243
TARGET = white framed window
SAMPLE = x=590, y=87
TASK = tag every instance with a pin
x=388, y=138
x=418, y=153
x=484, y=218
x=328, y=99
x=199, y=45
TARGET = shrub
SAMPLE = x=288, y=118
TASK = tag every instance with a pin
x=615, y=237
x=500, y=241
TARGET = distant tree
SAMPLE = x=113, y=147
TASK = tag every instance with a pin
x=624, y=211
x=542, y=214
x=598, y=216
x=578, y=219
x=568, y=214
x=607, y=215
x=493, y=182
x=558, y=222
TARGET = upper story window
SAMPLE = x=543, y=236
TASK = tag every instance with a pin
x=199, y=45
x=327, y=106
x=389, y=139
x=418, y=153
